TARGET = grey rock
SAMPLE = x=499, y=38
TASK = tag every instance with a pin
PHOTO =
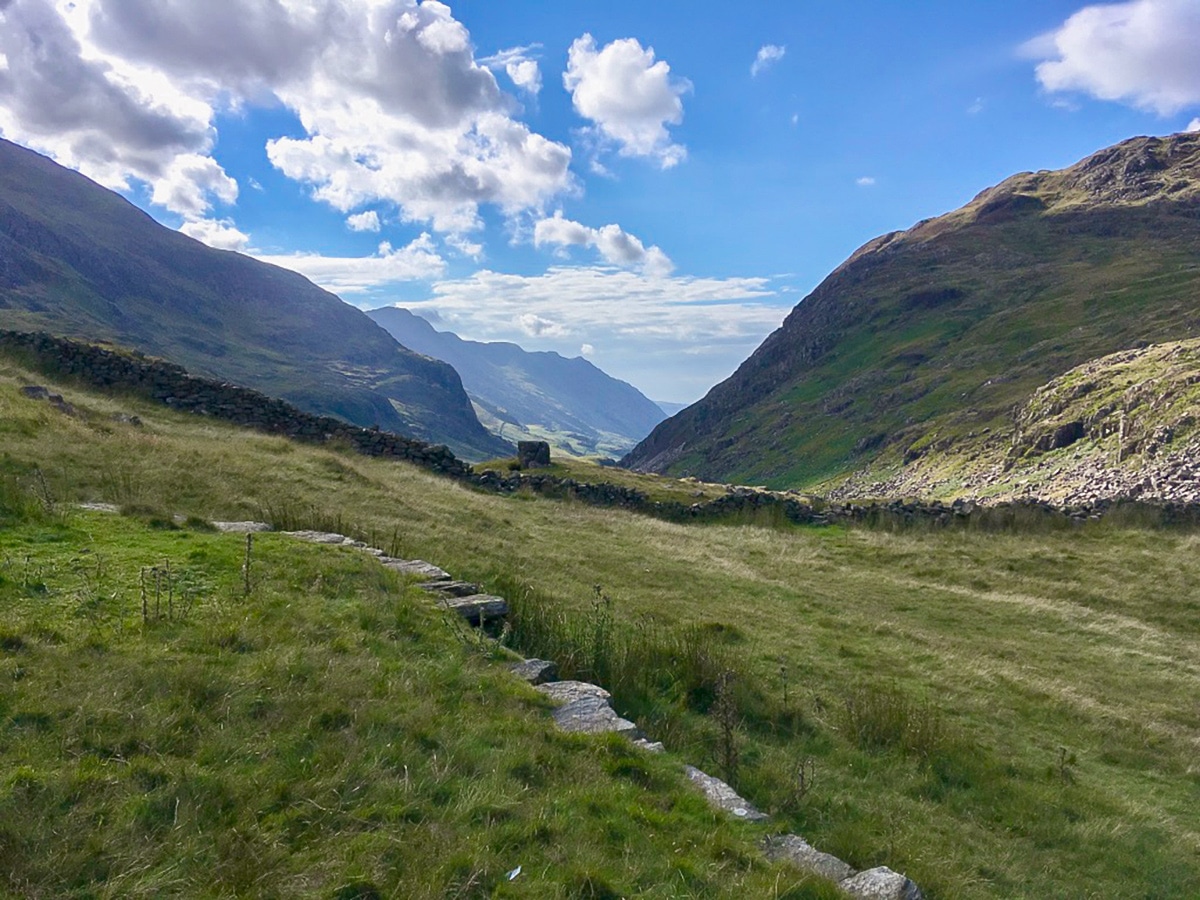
x=100, y=507
x=318, y=537
x=801, y=854
x=722, y=796
x=451, y=588
x=570, y=691
x=477, y=608
x=592, y=715
x=127, y=419
x=35, y=392
x=584, y=709
x=535, y=671
x=881, y=884
x=241, y=527
x=650, y=746
x=533, y=454
x=428, y=571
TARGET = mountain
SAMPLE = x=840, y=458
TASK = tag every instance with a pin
x=568, y=402
x=79, y=261
x=671, y=408
x=929, y=338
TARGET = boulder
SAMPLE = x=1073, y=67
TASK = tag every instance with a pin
x=533, y=454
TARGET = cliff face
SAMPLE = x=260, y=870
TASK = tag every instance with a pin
x=934, y=335
x=79, y=261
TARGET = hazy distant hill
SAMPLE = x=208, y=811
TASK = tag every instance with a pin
x=79, y=261
x=931, y=337
x=568, y=402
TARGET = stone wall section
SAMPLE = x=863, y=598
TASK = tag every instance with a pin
x=170, y=384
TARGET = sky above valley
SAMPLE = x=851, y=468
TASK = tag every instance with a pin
x=652, y=186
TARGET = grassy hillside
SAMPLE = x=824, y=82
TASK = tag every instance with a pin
x=997, y=715
x=1121, y=425
x=79, y=261
x=324, y=735
x=940, y=331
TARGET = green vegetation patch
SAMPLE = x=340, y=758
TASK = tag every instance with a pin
x=165, y=733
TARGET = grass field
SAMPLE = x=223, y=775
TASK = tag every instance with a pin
x=997, y=715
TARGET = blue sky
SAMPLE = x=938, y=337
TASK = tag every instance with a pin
x=651, y=185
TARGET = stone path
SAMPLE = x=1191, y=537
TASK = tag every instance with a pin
x=584, y=708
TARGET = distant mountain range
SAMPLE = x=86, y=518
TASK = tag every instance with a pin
x=79, y=261
x=932, y=341
x=520, y=394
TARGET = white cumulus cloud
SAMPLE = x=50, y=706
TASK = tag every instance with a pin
x=520, y=65
x=614, y=244
x=418, y=260
x=1193, y=126
x=865, y=181
x=395, y=110
x=220, y=234
x=767, y=55
x=1145, y=53
x=629, y=96
x=363, y=221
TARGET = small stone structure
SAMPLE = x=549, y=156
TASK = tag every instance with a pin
x=533, y=454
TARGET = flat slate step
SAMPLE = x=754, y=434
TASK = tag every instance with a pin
x=584, y=709
x=801, y=854
x=535, y=671
x=881, y=884
x=319, y=537
x=477, y=608
x=428, y=571
x=451, y=588
x=722, y=796
x=241, y=527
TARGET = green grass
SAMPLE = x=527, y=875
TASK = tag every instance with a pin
x=655, y=487
x=996, y=714
x=328, y=731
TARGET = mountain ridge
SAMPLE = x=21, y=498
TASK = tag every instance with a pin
x=946, y=327
x=570, y=402
x=80, y=261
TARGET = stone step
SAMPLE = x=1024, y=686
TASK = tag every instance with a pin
x=428, y=571
x=801, y=854
x=477, y=608
x=723, y=797
x=451, y=588
x=585, y=709
x=535, y=671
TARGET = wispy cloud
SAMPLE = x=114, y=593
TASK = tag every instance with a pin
x=767, y=56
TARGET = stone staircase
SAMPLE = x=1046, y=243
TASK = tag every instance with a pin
x=584, y=708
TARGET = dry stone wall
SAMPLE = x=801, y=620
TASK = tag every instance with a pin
x=170, y=384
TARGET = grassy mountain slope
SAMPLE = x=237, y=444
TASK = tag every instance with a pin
x=79, y=261
x=1124, y=425
x=945, y=328
x=997, y=715
x=569, y=402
